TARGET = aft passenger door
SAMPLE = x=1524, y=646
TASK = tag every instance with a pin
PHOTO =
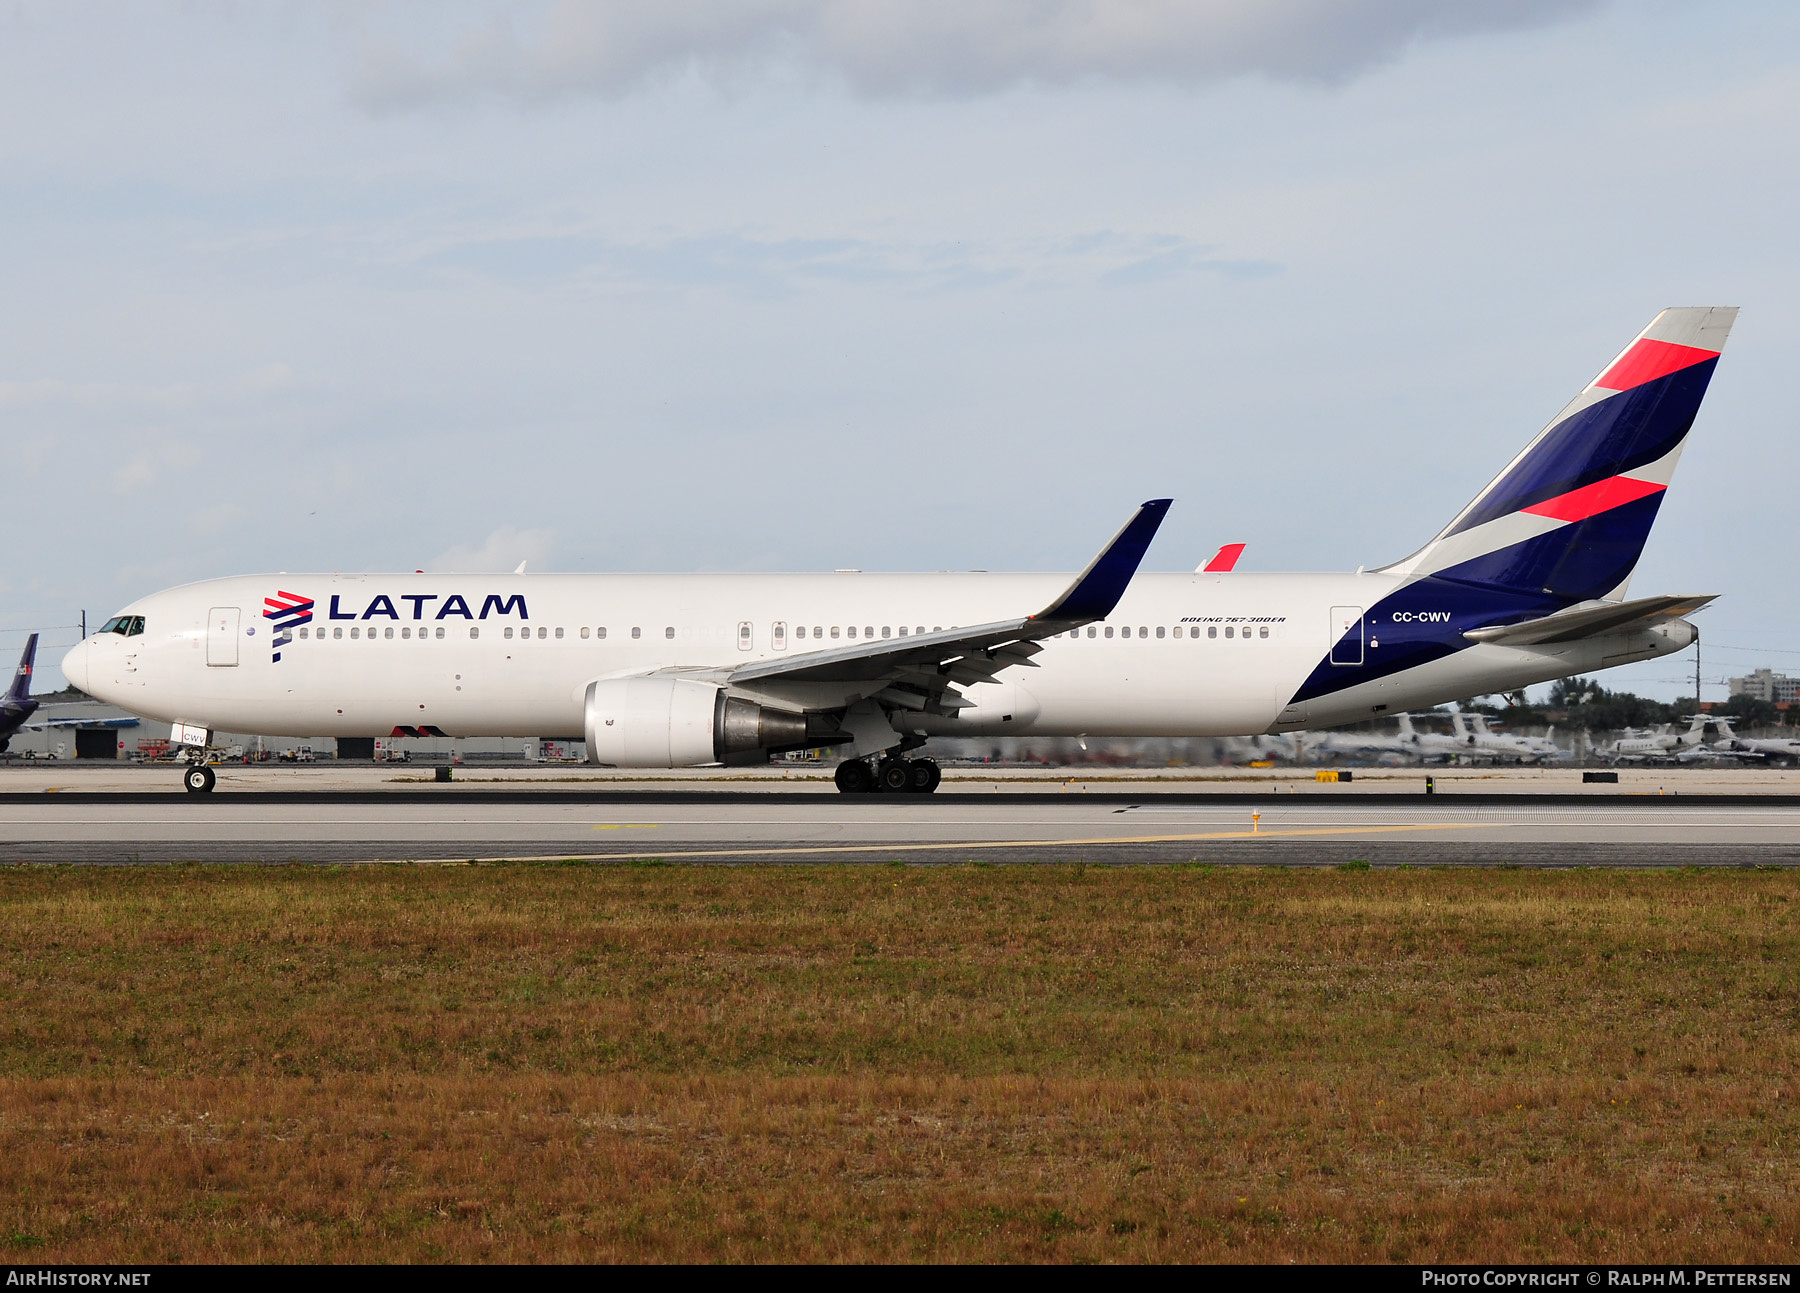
x=222, y=637
x=1346, y=635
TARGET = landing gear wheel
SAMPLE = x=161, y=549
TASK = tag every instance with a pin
x=925, y=776
x=894, y=775
x=855, y=777
x=199, y=781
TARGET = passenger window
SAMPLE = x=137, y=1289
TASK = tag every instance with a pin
x=1159, y=630
x=473, y=632
x=542, y=633
x=388, y=632
x=636, y=632
x=669, y=632
x=834, y=630
x=558, y=632
x=303, y=630
x=584, y=631
x=1109, y=630
x=600, y=632
x=919, y=629
x=851, y=631
x=869, y=631
x=902, y=630
x=337, y=632
x=1091, y=630
x=1263, y=632
x=405, y=632
x=506, y=632
x=1212, y=630
x=354, y=632
x=440, y=633
x=778, y=635
x=1228, y=630
x=800, y=632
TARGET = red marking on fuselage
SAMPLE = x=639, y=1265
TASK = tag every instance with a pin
x=1591, y=500
x=1647, y=360
x=1224, y=559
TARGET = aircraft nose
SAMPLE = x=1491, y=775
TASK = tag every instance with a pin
x=75, y=665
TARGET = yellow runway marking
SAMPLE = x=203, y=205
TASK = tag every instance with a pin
x=958, y=845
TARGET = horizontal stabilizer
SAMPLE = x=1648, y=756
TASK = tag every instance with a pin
x=1592, y=620
x=49, y=723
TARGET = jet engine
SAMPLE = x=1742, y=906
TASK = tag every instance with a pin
x=681, y=723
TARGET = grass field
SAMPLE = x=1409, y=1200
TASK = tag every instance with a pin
x=883, y=1062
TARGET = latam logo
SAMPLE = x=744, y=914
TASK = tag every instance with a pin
x=285, y=611
x=455, y=606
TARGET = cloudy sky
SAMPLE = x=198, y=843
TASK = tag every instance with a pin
x=896, y=284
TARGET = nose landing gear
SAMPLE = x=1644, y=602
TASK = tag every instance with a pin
x=199, y=780
x=891, y=776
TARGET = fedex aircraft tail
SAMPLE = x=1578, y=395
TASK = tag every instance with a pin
x=21, y=683
x=1569, y=516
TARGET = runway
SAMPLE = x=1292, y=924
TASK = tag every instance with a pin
x=823, y=827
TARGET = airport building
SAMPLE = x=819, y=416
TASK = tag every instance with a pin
x=1766, y=684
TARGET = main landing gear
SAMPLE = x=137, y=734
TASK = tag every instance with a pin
x=199, y=780
x=891, y=776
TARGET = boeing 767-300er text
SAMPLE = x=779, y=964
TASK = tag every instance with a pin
x=1526, y=584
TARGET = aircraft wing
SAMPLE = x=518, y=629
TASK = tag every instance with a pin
x=78, y=722
x=920, y=669
x=1592, y=620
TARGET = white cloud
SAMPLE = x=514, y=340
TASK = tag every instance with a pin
x=532, y=52
x=503, y=549
x=768, y=266
x=175, y=397
x=147, y=465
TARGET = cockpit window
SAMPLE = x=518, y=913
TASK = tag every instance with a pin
x=115, y=625
x=124, y=625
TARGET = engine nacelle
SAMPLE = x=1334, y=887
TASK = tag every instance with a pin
x=680, y=723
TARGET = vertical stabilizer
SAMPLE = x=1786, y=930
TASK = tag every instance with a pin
x=1570, y=515
x=21, y=683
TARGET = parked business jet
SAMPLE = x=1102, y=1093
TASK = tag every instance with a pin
x=1757, y=749
x=1526, y=584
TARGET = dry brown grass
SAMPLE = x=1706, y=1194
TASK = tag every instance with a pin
x=882, y=1062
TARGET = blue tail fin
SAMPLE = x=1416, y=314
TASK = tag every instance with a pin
x=1569, y=516
x=21, y=683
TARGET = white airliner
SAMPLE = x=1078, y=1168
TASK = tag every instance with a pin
x=1525, y=585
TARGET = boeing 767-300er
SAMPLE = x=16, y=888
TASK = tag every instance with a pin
x=1526, y=584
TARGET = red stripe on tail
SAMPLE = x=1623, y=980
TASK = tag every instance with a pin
x=1647, y=360
x=1591, y=500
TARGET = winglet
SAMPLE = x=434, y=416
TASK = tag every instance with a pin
x=1223, y=560
x=1097, y=589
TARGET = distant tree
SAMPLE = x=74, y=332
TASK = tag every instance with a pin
x=1567, y=693
x=1594, y=707
x=1751, y=711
